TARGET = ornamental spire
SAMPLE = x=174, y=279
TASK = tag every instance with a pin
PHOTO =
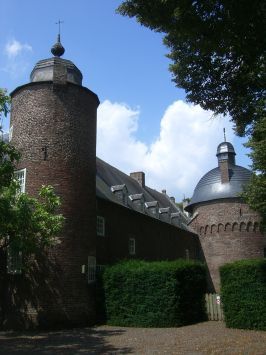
x=224, y=135
x=57, y=49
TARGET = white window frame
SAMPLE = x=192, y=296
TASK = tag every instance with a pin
x=10, y=133
x=21, y=179
x=100, y=225
x=91, y=269
x=132, y=246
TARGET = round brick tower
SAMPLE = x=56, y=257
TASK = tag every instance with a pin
x=53, y=125
x=227, y=227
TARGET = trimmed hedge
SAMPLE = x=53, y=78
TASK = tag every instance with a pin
x=243, y=291
x=154, y=294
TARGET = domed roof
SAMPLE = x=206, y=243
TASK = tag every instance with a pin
x=210, y=186
x=56, y=68
x=225, y=147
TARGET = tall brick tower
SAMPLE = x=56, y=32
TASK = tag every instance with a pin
x=227, y=227
x=53, y=125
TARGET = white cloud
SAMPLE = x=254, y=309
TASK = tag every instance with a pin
x=13, y=48
x=184, y=150
x=16, y=58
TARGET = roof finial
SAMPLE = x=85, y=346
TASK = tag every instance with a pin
x=224, y=135
x=57, y=49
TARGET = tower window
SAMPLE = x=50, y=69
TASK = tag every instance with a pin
x=100, y=226
x=20, y=176
x=10, y=133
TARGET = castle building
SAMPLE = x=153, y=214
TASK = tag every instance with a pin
x=109, y=215
x=228, y=229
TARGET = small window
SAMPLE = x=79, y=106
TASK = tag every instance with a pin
x=20, y=176
x=14, y=261
x=132, y=246
x=10, y=133
x=100, y=226
x=91, y=269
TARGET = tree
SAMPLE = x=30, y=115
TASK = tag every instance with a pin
x=217, y=48
x=26, y=223
x=255, y=191
x=218, y=51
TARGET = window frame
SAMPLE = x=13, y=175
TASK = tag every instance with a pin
x=22, y=182
x=100, y=226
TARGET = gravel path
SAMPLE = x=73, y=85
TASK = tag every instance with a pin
x=203, y=338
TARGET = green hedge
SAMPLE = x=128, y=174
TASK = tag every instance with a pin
x=154, y=294
x=243, y=290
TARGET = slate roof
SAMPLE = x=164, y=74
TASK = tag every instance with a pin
x=108, y=176
x=211, y=188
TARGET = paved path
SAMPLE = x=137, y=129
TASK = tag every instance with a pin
x=210, y=338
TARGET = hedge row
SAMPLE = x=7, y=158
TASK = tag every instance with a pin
x=154, y=294
x=243, y=290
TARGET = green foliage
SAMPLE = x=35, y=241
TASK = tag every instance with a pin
x=27, y=223
x=154, y=294
x=4, y=102
x=255, y=192
x=243, y=290
x=217, y=49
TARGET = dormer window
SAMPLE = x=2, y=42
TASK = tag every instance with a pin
x=137, y=202
x=164, y=214
x=176, y=218
x=121, y=193
x=152, y=208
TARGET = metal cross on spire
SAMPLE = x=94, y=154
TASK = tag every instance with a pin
x=57, y=49
x=59, y=26
x=224, y=135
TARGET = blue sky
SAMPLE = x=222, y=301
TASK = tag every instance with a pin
x=144, y=122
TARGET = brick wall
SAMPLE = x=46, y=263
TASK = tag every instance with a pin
x=228, y=231
x=62, y=120
x=155, y=240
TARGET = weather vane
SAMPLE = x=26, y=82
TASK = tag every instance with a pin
x=59, y=27
x=224, y=135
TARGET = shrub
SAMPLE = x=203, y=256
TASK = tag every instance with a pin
x=243, y=290
x=154, y=294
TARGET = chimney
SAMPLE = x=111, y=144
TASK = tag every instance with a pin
x=164, y=191
x=139, y=176
x=224, y=171
x=172, y=199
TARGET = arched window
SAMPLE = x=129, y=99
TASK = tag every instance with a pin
x=207, y=229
